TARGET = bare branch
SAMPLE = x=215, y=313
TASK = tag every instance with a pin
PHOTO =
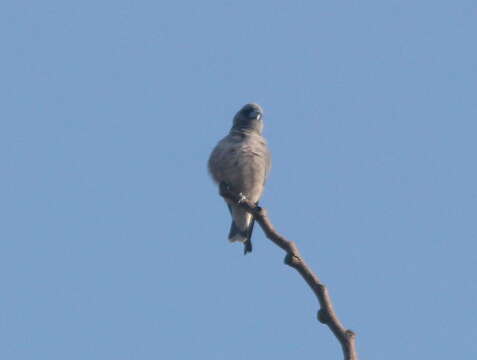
x=326, y=314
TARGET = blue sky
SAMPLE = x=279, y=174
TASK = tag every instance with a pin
x=113, y=237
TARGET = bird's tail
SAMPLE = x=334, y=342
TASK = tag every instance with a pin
x=241, y=228
x=244, y=236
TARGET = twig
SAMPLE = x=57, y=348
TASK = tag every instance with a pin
x=326, y=314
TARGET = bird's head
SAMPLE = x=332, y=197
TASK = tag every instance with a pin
x=249, y=118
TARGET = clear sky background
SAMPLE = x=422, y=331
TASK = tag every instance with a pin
x=113, y=239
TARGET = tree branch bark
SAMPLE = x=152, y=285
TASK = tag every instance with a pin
x=326, y=313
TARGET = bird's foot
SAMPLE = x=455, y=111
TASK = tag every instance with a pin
x=226, y=191
x=241, y=198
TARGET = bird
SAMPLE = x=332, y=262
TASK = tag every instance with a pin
x=242, y=162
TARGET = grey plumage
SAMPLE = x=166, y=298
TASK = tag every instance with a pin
x=242, y=161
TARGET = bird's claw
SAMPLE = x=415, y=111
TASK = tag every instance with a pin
x=226, y=190
x=241, y=198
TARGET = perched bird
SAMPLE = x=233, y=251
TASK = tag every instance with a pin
x=241, y=161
